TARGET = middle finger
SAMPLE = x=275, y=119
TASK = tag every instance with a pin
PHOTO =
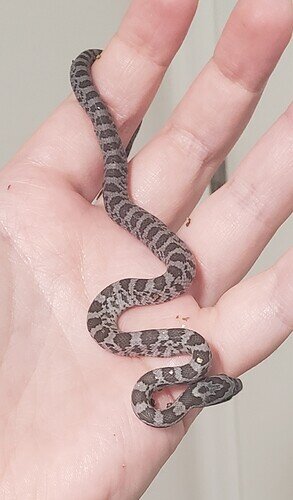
x=178, y=164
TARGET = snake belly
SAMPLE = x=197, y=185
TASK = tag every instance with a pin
x=102, y=322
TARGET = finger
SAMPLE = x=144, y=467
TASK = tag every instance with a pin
x=230, y=229
x=127, y=75
x=170, y=174
x=254, y=318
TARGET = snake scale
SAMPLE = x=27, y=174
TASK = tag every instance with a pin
x=102, y=322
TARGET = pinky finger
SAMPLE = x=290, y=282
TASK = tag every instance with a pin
x=254, y=317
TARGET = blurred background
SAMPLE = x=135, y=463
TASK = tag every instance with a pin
x=239, y=451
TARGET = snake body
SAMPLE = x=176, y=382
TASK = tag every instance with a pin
x=102, y=322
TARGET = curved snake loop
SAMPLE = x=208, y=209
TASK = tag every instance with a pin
x=114, y=299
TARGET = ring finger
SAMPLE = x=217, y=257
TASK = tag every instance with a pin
x=240, y=218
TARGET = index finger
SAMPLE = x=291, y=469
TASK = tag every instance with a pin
x=128, y=76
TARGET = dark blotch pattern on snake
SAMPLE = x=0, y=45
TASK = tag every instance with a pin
x=112, y=301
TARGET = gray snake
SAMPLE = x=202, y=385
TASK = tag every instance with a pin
x=102, y=322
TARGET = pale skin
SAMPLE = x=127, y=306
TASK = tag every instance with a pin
x=67, y=427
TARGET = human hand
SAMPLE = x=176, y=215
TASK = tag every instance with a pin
x=69, y=428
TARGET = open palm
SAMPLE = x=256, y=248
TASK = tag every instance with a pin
x=67, y=427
